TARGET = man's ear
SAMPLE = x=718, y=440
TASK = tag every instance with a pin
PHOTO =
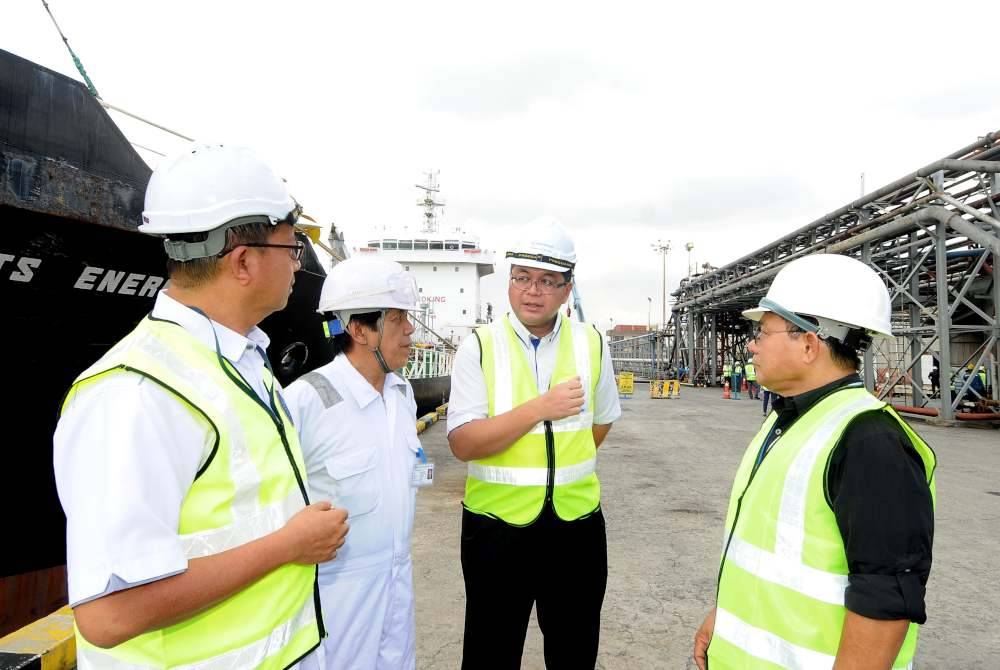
x=358, y=333
x=240, y=265
x=811, y=347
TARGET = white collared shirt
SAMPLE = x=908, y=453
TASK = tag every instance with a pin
x=125, y=453
x=360, y=448
x=469, y=401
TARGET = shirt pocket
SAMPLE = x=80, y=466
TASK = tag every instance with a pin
x=356, y=480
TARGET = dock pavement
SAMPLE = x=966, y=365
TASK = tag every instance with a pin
x=666, y=471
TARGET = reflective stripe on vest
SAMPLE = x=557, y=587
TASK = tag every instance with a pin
x=531, y=476
x=253, y=655
x=247, y=487
x=769, y=647
x=512, y=485
x=784, y=575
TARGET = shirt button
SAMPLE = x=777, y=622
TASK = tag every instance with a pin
x=777, y=432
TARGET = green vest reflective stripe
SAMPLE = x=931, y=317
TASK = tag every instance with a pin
x=513, y=484
x=727, y=370
x=247, y=488
x=784, y=572
x=750, y=372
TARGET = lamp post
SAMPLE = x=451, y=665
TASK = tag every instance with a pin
x=649, y=316
x=689, y=246
x=663, y=248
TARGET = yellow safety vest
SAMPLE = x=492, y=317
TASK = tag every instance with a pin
x=251, y=484
x=555, y=461
x=750, y=372
x=784, y=568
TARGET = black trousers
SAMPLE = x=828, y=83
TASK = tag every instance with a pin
x=560, y=567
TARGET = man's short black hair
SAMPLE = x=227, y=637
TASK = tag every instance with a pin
x=199, y=271
x=342, y=343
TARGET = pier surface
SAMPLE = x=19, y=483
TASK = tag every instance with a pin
x=666, y=471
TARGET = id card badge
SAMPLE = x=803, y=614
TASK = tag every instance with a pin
x=423, y=471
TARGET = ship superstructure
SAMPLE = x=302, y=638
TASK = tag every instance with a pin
x=447, y=262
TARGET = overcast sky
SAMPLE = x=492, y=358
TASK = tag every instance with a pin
x=723, y=124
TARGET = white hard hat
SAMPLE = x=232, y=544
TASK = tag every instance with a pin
x=841, y=293
x=544, y=244
x=208, y=185
x=363, y=284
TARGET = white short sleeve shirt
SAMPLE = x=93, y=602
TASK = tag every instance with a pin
x=125, y=453
x=360, y=448
x=469, y=401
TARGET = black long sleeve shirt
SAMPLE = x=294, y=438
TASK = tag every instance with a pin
x=877, y=489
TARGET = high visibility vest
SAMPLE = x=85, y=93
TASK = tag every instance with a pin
x=750, y=372
x=727, y=370
x=784, y=568
x=738, y=369
x=251, y=484
x=555, y=461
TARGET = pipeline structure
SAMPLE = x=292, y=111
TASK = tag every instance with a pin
x=934, y=238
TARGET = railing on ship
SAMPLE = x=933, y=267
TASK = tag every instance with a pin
x=428, y=361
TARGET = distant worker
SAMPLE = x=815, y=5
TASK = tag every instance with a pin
x=357, y=424
x=190, y=538
x=768, y=396
x=977, y=385
x=532, y=397
x=737, y=379
x=489, y=312
x=811, y=575
x=935, y=378
x=752, y=386
x=727, y=373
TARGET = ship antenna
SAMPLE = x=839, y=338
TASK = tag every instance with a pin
x=429, y=203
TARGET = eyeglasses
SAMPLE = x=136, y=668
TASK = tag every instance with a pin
x=545, y=285
x=296, y=252
x=759, y=333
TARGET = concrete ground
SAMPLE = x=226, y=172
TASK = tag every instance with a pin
x=666, y=470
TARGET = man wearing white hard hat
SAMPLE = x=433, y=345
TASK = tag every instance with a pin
x=828, y=538
x=356, y=419
x=532, y=397
x=190, y=538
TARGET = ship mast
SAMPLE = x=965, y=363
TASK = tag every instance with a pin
x=429, y=203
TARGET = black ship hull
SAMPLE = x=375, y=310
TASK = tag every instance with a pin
x=76, y=276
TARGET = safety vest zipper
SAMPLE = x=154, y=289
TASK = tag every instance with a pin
x=550, y=462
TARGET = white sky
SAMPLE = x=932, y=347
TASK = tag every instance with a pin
x=725, y=124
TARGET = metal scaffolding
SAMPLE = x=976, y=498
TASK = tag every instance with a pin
x=944, y=215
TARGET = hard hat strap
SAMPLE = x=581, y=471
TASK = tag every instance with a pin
x=378, y=346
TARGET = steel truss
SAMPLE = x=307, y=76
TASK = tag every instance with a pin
x=944, y=215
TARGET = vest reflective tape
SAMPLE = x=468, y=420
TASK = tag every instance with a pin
x=769, y=647
x=250, y=656
x=778, y=569
x=241, y=468
x=791, y=531
x=264, y=521
x=494, y=474
x=504, y=395
x=570, y=424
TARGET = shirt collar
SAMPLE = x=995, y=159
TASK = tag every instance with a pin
x=799, y=404
x=232, y=345
x=359, y=387
x=522, y=332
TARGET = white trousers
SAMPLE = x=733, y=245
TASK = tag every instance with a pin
x=369, y=619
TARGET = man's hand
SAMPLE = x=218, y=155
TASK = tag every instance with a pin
x=562, y=400
x=315, y=533
x=702, y=639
